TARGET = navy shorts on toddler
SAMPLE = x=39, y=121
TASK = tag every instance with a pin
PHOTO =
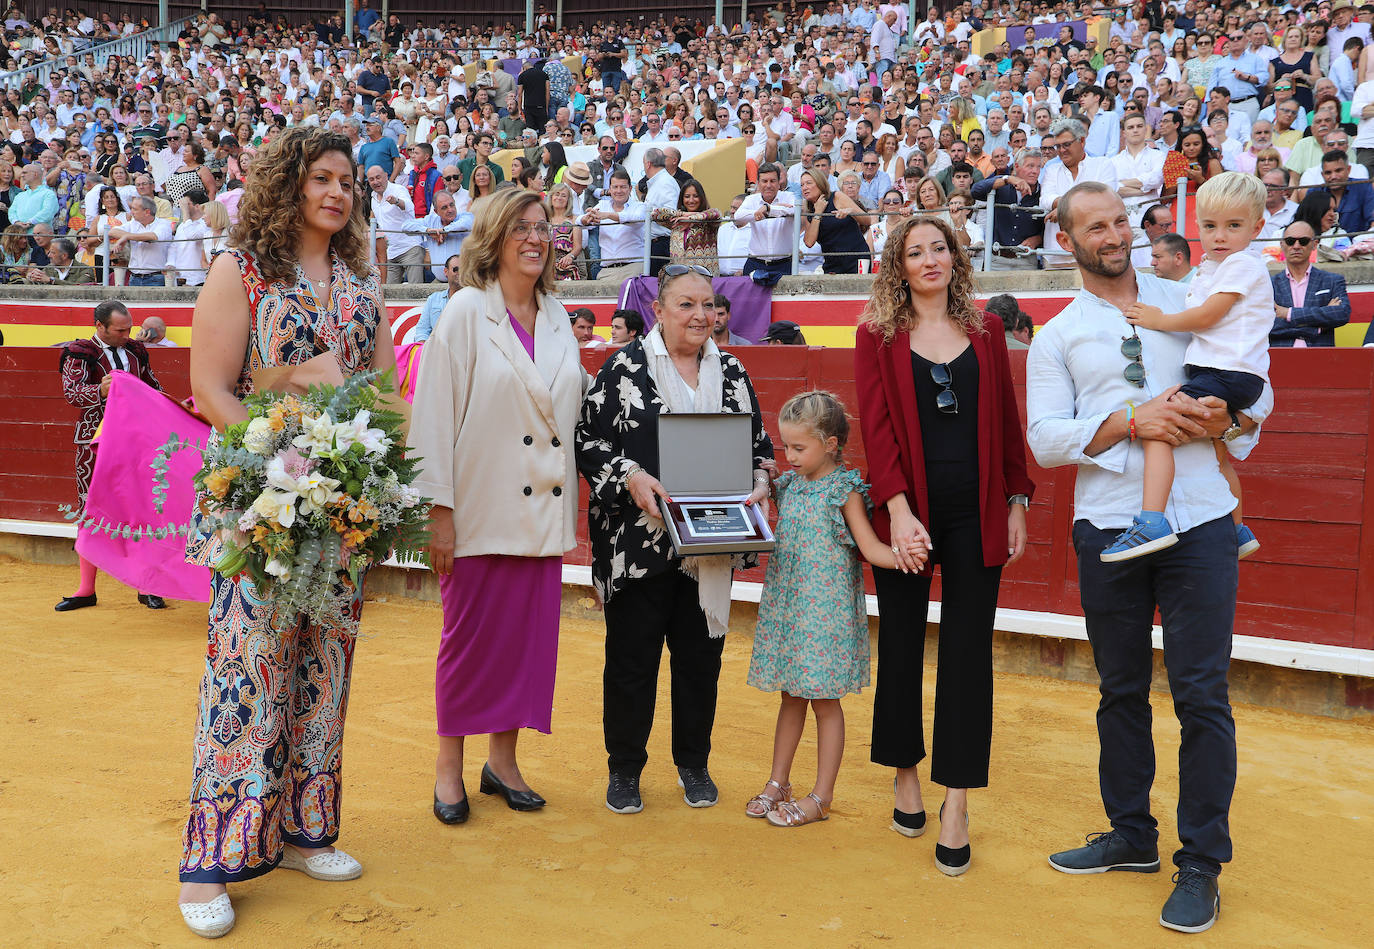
x=1239, y=390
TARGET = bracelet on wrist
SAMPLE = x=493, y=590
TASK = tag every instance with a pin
x=1130, y=421
x=634, y=470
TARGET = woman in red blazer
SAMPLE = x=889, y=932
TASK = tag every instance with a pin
x=947, y=462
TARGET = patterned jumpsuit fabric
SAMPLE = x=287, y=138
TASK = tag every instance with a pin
x=269, y=730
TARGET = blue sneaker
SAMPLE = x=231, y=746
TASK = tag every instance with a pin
x=1246, y=542
x=1150, y=531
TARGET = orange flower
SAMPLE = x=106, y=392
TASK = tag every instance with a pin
x=218, y=481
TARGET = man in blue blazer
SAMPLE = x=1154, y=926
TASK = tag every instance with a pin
x=1308, y=303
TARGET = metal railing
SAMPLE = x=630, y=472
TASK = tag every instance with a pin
x=134, y=47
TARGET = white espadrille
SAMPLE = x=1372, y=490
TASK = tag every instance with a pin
x=323, y=866
x=212, y=919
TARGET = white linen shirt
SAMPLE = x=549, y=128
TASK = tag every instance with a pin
x=391, y=220
x=1055, y=179
x=1239, y=342
x=622, y=243
x=771, y=238
x=1147, y=167
x=1074, y=382
x=662, y=192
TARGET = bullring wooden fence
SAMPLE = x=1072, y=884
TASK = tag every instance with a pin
x=1308, y=490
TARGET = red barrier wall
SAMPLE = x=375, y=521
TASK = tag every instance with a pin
x=1308, y=493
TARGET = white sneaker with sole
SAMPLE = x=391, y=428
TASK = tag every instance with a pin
x=212, y=919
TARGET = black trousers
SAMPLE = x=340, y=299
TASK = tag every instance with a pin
x=641, y=616
x=659, y=255
x=963, y=679
x=1193, y=583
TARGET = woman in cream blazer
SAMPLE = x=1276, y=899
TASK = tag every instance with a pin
x=497, y=402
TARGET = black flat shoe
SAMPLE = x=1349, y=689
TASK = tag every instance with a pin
x=75, y=603
x=515, y=800
x=451, y=813
x=909, y=825
x=151, y=601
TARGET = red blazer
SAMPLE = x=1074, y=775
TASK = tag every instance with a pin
x=892, y=432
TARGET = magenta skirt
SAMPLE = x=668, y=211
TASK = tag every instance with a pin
x=499, y=648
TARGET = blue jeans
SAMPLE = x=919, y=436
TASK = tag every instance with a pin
x=612, y=82
x=593, y=251
x=147, y=280
x=1194, y=585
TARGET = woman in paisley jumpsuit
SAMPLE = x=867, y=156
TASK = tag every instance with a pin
x=295, y=290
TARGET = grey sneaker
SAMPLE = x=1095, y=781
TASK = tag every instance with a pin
x=1195, y=903
x=698, y=790
x=622, y=794
x=1104, y=852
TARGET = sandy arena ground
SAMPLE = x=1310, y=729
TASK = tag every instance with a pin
x=95, y=730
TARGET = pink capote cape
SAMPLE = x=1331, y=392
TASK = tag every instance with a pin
x=138, y=420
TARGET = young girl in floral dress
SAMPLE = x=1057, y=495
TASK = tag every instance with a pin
x=811, y=643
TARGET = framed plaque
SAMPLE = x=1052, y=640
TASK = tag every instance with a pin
x=706, y=463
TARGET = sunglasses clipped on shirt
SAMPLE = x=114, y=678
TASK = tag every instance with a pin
x=1132, y=348
x=945, y=400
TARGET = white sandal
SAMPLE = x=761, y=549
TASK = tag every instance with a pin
x=332, y=866
x=212, y=919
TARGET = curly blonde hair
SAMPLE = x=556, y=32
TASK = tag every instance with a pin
x=889, y=308
x=269, y=224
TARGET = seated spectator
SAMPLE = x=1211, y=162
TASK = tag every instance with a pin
x=1309, y=304
x=153, y=332
x=62, y=268
x=1169, y=255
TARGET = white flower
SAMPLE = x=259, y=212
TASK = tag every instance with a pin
x=373, y=440
x=279, y=506
x=317, y=435
x=314, y=489
x=248, y=520
x=258, y=437
x=277, y=569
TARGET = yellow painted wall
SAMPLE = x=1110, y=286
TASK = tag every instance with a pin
x=720, y=171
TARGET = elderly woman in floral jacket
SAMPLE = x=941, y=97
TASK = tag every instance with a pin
x=652, y=595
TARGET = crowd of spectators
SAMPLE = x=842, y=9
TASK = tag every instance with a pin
x=850, y=115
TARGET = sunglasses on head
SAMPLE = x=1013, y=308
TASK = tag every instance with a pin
x=681, y=270
x=1296, y=241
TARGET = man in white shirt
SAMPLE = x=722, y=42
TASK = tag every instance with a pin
x=622, y=220
x=882, y=43
x=1060, y=174
x=661, y=193
x=769, y=211
x=400, y=253
x=1362, y=110
x=732, y=241
x=184, y=255
x=1139, y=167
x=146, y=236
x=1083, y=410
x=442, y=230
x=1278, y=207
x=1104, y=128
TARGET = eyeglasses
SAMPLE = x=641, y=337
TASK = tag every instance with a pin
x=540, y=229
x=1131, y=348
x=681, y=270
x=945, y=400
x=453, y=177
x=1296, y=241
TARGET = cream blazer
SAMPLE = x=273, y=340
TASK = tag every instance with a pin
x=494, y=430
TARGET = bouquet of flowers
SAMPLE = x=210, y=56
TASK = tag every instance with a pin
x=310, y=491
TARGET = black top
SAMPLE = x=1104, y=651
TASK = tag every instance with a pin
x=948, y=437
x=618, y=430
x=535, y=82
x=842, y=242
x=609, y=62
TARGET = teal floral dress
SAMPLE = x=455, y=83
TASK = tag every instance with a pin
x=812, y=637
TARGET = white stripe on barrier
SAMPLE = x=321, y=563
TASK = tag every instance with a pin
x=1311, y=657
